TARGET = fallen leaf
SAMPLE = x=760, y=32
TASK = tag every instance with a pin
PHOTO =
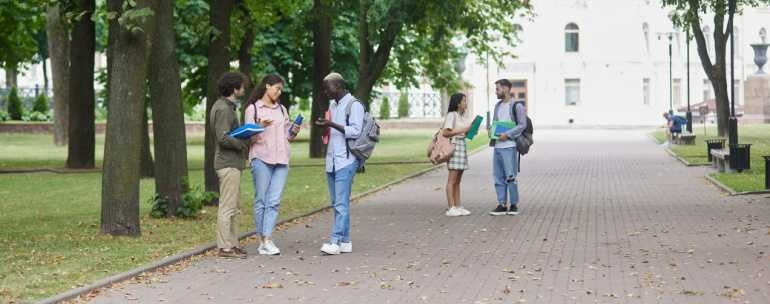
x=272, y=285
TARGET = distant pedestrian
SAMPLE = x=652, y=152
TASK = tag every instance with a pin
x=456, y=124
x=269, y=156
x=229, y=160
x=341, y=165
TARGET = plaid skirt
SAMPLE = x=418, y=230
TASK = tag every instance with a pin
x=459, y=160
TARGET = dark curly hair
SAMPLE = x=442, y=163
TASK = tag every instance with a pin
x=229, y=82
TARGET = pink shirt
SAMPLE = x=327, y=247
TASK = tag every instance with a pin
x=272, y=145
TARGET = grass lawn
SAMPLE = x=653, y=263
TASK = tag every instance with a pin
x=756, y=135
x=49, y=223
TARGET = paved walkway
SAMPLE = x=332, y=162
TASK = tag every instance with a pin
x=606, y=217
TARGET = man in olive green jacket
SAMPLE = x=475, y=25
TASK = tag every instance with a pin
x=229, y=160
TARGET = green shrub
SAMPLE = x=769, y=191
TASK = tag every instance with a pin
x=385, y=108
x=403, y=106
x=36, y=116
x=41, y=104
x=15, y=111
x=3, y=116
x=192, y=202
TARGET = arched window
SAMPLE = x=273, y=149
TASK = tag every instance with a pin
x=571, y=38
x=646, y=31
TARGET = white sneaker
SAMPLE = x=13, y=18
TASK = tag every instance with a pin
x=268, y=248
x=346, y=247
x=453, y=212
x=463, y=211
x=330, y=249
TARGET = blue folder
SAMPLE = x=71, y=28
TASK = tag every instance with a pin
x=246, y=131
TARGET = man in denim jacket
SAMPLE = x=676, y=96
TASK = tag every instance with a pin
x=505, y=163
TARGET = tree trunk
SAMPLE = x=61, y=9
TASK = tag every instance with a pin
x=120, y=178
x=146, y=168
x=219, y=58
x=244, y=51
x=45, y=77
x=10, y=78
x=372, y=63
x=59, y=52
x=167, y=109
x=80, y=151
x=321, y=66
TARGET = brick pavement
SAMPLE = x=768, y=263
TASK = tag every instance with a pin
x=606, y=217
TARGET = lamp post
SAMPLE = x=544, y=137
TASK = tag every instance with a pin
x=689, y=112
x=670, y=36
x=732, y=123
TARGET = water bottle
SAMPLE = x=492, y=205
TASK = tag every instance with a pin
x=297, y=123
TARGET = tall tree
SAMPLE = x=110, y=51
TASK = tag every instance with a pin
x=689, y=14
x=430, y=26
x=59, y=51
x=218, y=63
x=128, y=71
x=80, y=150
x=322, y=31
x=167, y=109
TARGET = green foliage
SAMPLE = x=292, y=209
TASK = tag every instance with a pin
x=385, y=109
x=36, y=116
x=20, y=21
x=3, y=116
x=41, y=104
x=15, y=110
x=304, y=104
x=192, y=202
x=428, y=43
x=403, y=105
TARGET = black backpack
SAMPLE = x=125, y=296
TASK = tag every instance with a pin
x=524, y=141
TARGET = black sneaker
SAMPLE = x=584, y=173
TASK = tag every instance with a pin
x=513, y=210
x=500, y=210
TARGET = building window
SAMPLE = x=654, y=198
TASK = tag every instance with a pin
x=571, y=38
x=706, y=89
x=646, y=91
x=571, y=92
x=737, y=89
x=646, y=31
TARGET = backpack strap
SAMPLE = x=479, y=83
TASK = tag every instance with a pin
x=348, y=108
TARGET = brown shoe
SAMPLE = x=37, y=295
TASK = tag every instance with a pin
x=231, y=253
x=240, y=250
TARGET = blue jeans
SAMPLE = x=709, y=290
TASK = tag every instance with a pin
x=505, y=166
x=269, y=181
x=340, y=186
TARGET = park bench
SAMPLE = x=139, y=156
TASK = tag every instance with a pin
x=684, y=139
x=720, y=159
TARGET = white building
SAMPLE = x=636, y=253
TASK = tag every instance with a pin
x=606, y=62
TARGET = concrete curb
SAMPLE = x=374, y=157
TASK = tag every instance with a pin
x=684, y=161
x=730, y=191
x=74, y=293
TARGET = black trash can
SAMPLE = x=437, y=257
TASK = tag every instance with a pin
x=767, y=172
x=740, y=157
x=714, y=143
